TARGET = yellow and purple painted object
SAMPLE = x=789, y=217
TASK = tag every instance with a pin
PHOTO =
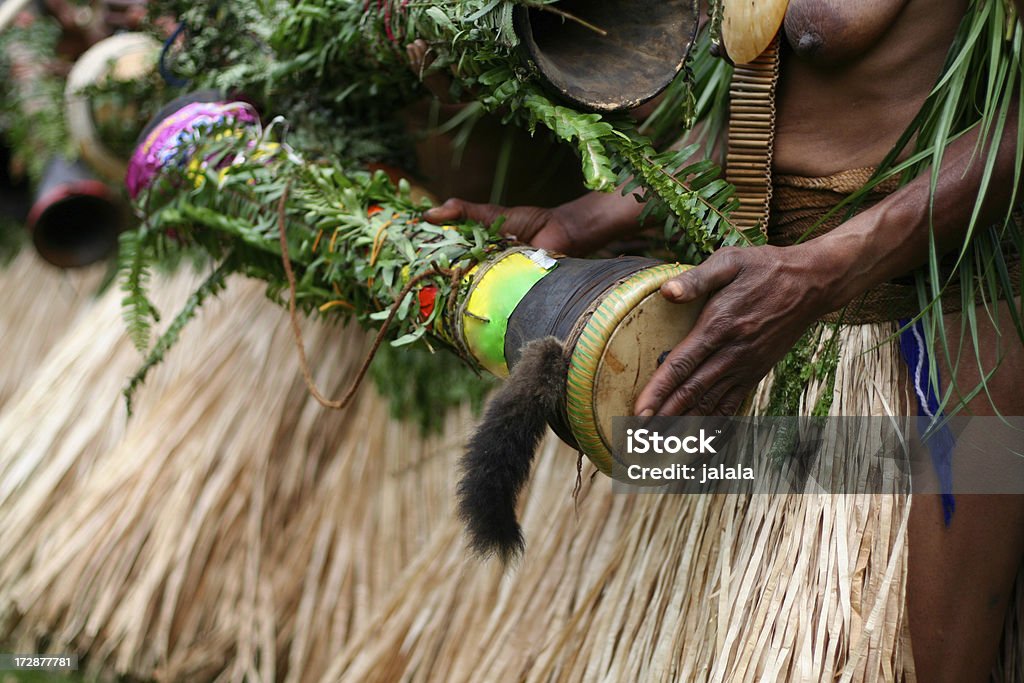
x=169, y=140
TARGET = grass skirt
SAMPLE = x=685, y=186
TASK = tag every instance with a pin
x=234, y=530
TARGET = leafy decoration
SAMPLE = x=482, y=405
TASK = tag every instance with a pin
x=355, y=239
x=121, y=108
x=339, y=69
x=32, y=96
x=139, y=313
x=335, y=65
x=409, y=375
x=209, y=288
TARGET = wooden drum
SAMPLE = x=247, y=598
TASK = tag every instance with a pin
x=615, y=326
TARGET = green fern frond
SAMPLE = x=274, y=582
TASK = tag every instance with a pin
x=210, y=287
x=135, y=266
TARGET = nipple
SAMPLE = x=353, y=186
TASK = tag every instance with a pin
x=808, y=43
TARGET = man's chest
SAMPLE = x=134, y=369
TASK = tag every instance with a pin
x=838, y=30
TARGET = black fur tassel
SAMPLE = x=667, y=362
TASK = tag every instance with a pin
x=496, y=464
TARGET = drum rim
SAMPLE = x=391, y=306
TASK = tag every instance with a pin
x=91, y=67
x=589, y=349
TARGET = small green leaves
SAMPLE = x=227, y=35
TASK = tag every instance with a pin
x=138, y=311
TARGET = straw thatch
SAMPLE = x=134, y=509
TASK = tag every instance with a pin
x=664, y=587
x=40, y=304
x=236, y=531
x=232, y=528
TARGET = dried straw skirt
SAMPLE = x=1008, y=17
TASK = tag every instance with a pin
x=40, y=302
x=233, y=530
x=665, y=587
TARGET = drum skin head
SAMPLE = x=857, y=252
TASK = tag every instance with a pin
x=617, y=352
x=632, y=354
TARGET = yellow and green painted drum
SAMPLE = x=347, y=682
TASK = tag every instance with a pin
x=496, y=289
x=610, y=314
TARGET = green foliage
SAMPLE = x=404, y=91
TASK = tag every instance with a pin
x=213, y=284
x=690, y=198
x=315, y=61
x=31, y=96
x=12, y=238
x=355, y=239
x=810, y=360
x=139, y=313
x=122, y=108
x=339, y=68
x=699, y=94
x=408, y=377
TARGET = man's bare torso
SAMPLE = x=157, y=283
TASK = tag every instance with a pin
x=854, y=75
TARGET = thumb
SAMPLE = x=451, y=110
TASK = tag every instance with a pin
x=458, y=210
x=701, y=281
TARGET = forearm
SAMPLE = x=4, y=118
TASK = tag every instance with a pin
x=604, y=216
x=893, y=237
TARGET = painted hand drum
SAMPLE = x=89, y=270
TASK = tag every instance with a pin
x=614, y=324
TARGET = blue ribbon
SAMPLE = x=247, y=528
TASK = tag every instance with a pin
x=940, y=441
x=165, y=72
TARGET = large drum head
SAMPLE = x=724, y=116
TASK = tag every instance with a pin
x=643, y=46
x=633, y=353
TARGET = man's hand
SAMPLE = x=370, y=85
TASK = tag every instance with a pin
x=575, y=228
x=550, y=229
x=760, y=300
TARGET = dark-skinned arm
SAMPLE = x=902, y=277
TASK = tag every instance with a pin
x=760, y=300
x=575, y=228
